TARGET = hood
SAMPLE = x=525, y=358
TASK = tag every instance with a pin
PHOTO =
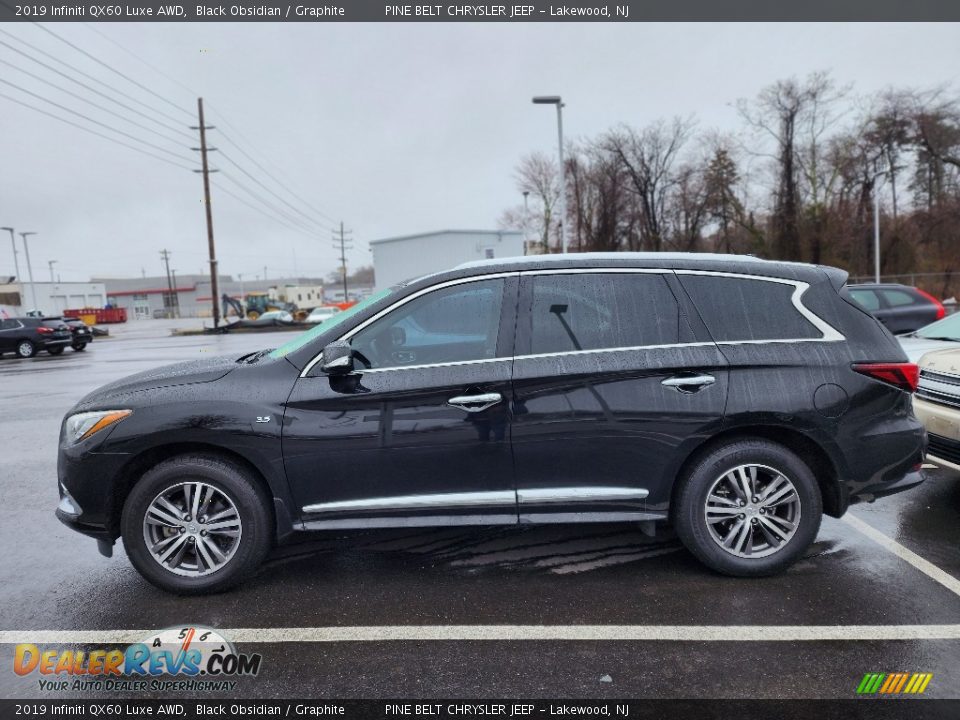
x=184, y=373
x=946, y=362
x=915, y=347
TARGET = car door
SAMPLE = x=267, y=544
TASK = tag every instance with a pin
x=904, y=312
x=8, y=335
x=612, y=384
x=419, y=432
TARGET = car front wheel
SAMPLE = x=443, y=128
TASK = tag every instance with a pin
x=55, y=350
x=79, y=347
x=26, y=349
x=196, y=524
x=748, y=508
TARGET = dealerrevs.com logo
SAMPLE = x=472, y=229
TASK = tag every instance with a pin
x=190, y=658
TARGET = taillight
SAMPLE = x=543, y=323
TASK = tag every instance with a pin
x=905, y=376
x=43, y=330
x=941, y=311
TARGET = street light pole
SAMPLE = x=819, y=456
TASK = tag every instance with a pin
x=26, y=251
x=556, y=100
x=876, y=225
x=13, y=241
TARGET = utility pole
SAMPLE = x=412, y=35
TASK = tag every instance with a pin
x=50, y=264
x=13, y=241
x=26, y=251
x=165, y=254
x=214, y=289
x=342, y=242
x=176, y=294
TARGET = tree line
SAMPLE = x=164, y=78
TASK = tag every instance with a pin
x=796, y=181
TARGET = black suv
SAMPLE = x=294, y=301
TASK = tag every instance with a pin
x=28, y=335
x=737, y=398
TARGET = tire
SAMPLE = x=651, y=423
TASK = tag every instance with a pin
x=26, y=349
x=769, y=546
x=55, y=350
x=186, y=572
x=79, y=347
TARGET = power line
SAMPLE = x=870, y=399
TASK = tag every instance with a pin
x=270, y=175
x=90, y=119
x=276, y=195
x=90, y=77
x=111, y=68
x=93, y=132
x=240, y=149
x=296, y=222
x=88, y=101
x=265, y=213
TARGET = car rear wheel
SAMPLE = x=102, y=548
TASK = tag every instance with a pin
x=196, y=524
x=748, y=508
x=26, y=349
x=55, y=350
x=79, y=347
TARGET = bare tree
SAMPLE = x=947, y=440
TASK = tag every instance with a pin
x=648, y=157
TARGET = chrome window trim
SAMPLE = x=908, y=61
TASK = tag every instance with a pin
x=829, y=333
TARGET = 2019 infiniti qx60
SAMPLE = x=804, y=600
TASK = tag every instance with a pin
x=737, y=398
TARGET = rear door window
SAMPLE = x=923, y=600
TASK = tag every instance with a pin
x=594, y=311
x=898, y=298
x=867, y=299
x=742, y=309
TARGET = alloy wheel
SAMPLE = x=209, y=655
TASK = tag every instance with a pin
x=752, y=511
x=192, y=529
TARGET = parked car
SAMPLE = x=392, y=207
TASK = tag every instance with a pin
x=901, y=308
x=271, y=317
x=82, y=334
x=941, y=335
x=26, y=336
x=739, y=399
x=322, y=314
x=937, y=405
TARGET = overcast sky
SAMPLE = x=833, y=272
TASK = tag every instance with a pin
x=393, y=128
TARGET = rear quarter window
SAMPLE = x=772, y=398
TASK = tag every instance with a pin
x=898, y=298
x=737, y=309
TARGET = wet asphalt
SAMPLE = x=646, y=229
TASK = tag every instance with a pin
x=54, y=579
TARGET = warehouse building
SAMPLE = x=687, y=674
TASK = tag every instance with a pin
x=401, y=258
x=50, y=298
x=192, y=296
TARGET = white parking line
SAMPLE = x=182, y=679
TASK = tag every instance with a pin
x=924, y=566
x=415, y=633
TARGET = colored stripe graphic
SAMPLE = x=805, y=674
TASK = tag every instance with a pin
x=894, y=683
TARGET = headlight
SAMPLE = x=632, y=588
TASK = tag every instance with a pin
x=83, y=425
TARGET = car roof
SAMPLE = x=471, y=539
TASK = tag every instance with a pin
x=716, y=262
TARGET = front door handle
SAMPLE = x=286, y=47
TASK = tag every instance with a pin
x=689, y=383
x=475, y=403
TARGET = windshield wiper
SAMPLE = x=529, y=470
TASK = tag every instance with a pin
x=253, y=357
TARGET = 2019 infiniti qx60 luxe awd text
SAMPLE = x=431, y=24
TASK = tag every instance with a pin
x=737, y=398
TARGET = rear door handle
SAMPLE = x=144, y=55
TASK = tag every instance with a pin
x=689, y=383
x=475, y=403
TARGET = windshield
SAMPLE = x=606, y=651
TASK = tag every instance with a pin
x=336, y=319
x=946, y=329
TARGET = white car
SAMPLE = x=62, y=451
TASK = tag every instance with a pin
x=940, y=335
x=321, y=314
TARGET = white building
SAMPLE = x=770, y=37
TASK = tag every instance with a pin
x=51, y=298
x=402, y=258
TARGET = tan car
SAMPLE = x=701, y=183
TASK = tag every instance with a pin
x=937, y=405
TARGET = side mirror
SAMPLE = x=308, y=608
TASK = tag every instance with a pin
x=337, y=358
x=398, y=337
